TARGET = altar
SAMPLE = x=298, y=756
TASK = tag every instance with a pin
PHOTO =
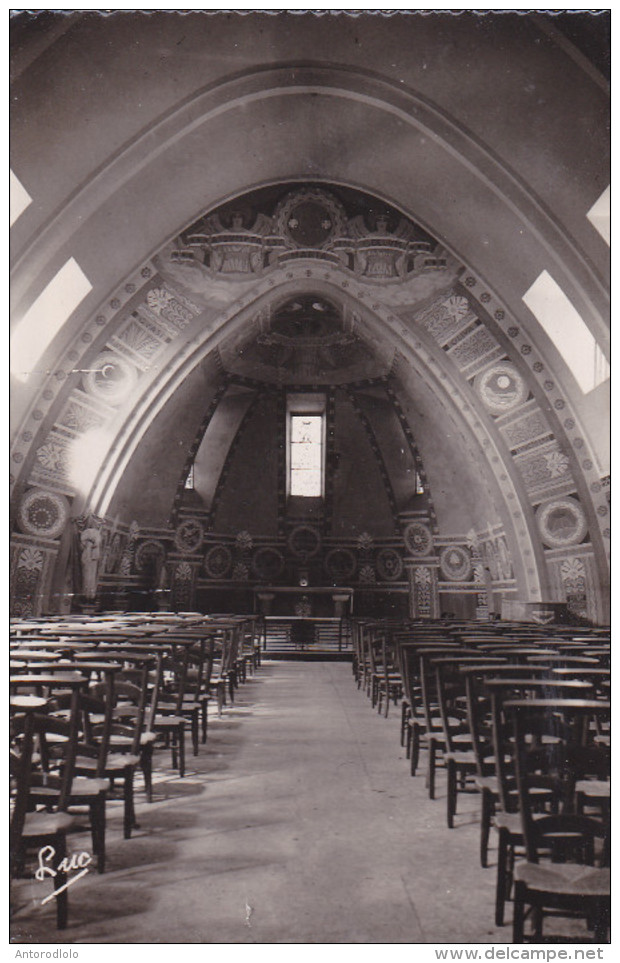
x=304, y=601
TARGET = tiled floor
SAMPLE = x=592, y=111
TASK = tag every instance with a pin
x=297, y=823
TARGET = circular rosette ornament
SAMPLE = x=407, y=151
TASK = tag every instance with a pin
x=501, y=388
x=455, y=564
x=110, y=378
x=189, y=535
x=304, y=541
x=340, y=564
x=561, y=522
x=218, y=561
x=268, y=564
x=43, y=513
x=418, y=539
x=389, y=565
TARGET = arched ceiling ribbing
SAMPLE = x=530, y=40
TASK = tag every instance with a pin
x=464, y=153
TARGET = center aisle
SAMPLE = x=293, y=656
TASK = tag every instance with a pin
x=299, y=823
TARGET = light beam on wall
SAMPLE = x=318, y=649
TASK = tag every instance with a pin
x=568, y=331
x=45, y=317
x=86, y=456
x=19, y=198
x=599, y=215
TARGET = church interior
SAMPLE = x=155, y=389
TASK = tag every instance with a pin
x=309, y=374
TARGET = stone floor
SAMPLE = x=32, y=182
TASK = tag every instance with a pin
x=297, y=823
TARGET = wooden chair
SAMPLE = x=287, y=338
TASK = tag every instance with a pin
x=387, y=680
x=415, y=722
x=91, y=782
x=35, y=829
x=549, y=738
x=462, y=764
x=435, y=735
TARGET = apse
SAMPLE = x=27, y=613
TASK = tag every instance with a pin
x=441, y=465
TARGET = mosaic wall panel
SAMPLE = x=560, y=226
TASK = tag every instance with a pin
x=445, y=318
x=423, y=594
x=53, y=461
x=527, y=428
x=574, y=580
x=80, y=416
x=545, y=470
x=30, y=566
x=183, y=578
x=475, y=347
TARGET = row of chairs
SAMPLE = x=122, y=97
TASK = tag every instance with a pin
x=92, y=700
x=472, y=698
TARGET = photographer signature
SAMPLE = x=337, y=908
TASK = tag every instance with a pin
x=68, y=864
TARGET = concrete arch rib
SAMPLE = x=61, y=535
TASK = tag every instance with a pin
x=425, y=363
x=424, y=155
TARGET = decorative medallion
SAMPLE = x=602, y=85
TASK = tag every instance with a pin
x=418, y=539
x=561, y=522
x=455, y=563
x=43, y=513
x=110, y=378
x=422, y=575
x=183, y=572
x=268, y=563
x=456, y=307
x=501, y=388
x=189, y=535
x=365, y=542
x=367, y=574
x=340, y=564
x=389, y=565
x=218, y=561
x=150, y=555
x=240, y=572
x=244, y=542
x=572, y=568
x=304, y=541
x=310, y=218
x=31, y=559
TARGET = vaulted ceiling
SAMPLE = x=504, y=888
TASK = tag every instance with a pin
x=259, y=204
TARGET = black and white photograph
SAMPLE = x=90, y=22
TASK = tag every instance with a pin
x=309, y=580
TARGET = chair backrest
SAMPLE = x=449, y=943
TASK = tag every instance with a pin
x=55, y=737
x=552, y=751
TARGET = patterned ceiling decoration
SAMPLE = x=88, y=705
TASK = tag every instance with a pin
x=561, y=522
x=501, y=388
x=500, y=383
x=418, y=539
x=43, y=513
x=455, y=563
x=237, y=241
x=111, y=378
x=189, y=536
x=389, y=564
x=218, y=561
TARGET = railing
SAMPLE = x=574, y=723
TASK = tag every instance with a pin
x=298, y=634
